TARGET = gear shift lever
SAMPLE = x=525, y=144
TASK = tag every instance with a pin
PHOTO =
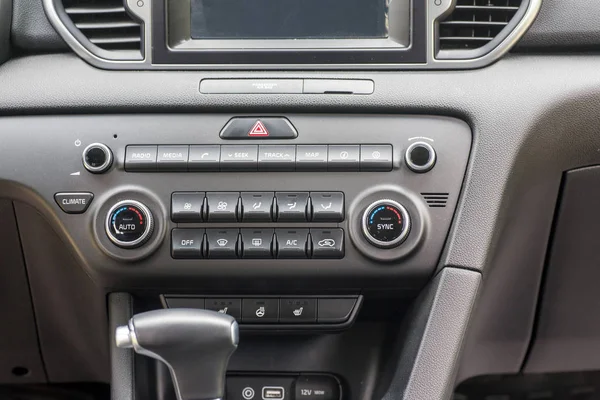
x=195, y=344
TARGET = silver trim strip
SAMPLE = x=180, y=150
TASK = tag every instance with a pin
x=434, y=13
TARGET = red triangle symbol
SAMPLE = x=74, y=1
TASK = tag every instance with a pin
x=258, y=129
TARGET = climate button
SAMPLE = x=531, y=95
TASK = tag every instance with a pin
x=386, y=223
x=129, y=224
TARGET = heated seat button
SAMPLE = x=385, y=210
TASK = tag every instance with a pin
x=327, y=243
x=292, y=243
x=317, y=387
x=292, y=206
x=258, y=128
x=231, y=307
x=327, y=206
x=257, y=206
x=187, y=243
x=260, y=310
x=257, y=243
x=222, y=206
x=297, y=311
x=222, y=243
x=74, y=203
x=187, y=206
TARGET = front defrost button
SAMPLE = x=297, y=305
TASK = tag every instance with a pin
x=74, y=203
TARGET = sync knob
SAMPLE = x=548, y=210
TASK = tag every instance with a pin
x=386, y=223
x=129, y=224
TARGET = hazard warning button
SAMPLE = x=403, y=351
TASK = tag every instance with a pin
x=258, y=128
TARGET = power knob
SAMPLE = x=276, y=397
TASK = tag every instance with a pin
x=129, y=224
x=386, y=224
x=97, y=158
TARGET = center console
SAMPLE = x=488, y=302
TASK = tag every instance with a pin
x=295, y=225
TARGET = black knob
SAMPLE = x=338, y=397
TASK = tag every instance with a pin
x=386, y=223
x=420, y=157
x=97, y=158
x=129, y=224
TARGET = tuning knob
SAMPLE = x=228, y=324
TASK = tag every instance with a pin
x=129, y=224
x=97, y=158
x=386, y=224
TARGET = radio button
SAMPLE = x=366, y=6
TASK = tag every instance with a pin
x=172, y=158
x=187, y=243
x=327, y=206
x=376, y=157
x=187, y=206
x=276, y=158
x=74, y=203
x=239, y=158
x=257, y=243
x=292, y=206
x=222, y=243
x=257, y=206
x=327, y=243
x=260, y=310
x=291, y=243
x=343, y=158
x=258, y=128
x=311, y=158
x=204, y=158
x=141, y=158
x=222, y=206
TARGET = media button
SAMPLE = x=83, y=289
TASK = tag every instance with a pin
x=276, y=158
x=204, y=158
x=311, y=158
x=172, y=158
x=222, y=206
x=260, y=310
x=292, y=206
x=187, y=206
x=327, y=243
x=231, y=307
x=222, y=243
x=292, y=243
x=187, y=243
x=327, y=206
x=297, y=311
x=257, y=206
x=239, y=157
x=257, y=243
x=343, y=158
x=141, y=158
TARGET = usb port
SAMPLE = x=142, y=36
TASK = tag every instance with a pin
x=269, y=392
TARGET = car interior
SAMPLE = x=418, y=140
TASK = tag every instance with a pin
x=299, y=200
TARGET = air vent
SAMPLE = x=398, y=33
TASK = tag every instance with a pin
x=436, y=200
x=475, y=23
x=105, y=23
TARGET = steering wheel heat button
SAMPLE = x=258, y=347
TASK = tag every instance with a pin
x=386, y=223
x=129, y=224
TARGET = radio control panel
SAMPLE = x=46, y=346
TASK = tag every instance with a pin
x=306, y=204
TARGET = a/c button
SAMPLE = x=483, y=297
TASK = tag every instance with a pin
x=74, y=203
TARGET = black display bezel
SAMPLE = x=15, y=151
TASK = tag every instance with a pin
x=414, y=53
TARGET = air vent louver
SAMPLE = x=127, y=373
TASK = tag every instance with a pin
x=105, y=23
x=475, y=23
x=436, y=200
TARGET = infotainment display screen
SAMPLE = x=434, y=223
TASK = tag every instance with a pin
x=289, y=19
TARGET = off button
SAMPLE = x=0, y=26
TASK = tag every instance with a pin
x=74, y=203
